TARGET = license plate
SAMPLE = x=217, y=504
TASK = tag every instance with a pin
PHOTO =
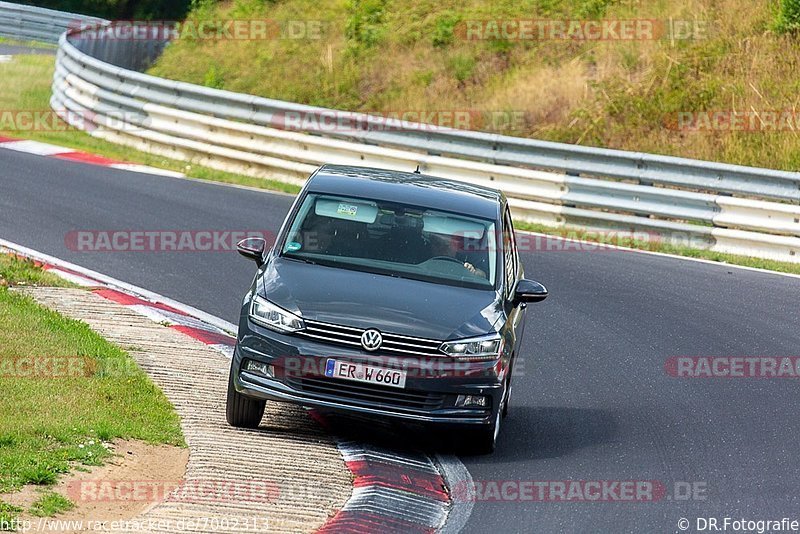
x=358, y=372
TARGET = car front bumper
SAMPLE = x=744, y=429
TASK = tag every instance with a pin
x=429, y=396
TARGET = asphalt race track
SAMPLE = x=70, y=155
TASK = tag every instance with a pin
x=594, y=402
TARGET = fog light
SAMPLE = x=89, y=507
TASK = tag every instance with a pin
x=259, y=368
x=464, y=401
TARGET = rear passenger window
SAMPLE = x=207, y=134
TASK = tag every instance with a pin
x=510, y=258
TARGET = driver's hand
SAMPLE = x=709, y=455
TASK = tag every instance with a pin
x=471, y=268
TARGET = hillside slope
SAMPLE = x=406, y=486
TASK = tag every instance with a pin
x=391, y=56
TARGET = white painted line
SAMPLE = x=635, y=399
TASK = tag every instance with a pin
x=227, y=350
x=74, y=278
x=145, y=169
x=119, y=284
x=171, y=317
x=47, y=149
x=397, y=503
x=35, y=147
x=154, y=314
x=6, y=58
x=354, y=452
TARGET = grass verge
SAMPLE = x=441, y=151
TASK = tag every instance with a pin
x=25, y=86
x=35, y=44
x=22, y=271
x=67, y=393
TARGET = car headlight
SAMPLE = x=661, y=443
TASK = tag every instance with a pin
x=474, y=349
x=274, y=317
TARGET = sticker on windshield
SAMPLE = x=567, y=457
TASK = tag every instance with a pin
x=347, y=209
x=293, y=246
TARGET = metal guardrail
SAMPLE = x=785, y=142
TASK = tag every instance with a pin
x=722, y=207
x=27, y=23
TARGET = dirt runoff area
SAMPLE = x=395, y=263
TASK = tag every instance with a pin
x=115, y=491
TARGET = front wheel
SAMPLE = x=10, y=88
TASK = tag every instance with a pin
x=241, y=411
x=484, y=440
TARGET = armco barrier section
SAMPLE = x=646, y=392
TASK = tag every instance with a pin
x=27, y=23
x=727, y=208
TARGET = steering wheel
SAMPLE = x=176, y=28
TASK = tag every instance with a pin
x=448, y=258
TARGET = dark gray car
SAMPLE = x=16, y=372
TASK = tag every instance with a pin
x=387, y=294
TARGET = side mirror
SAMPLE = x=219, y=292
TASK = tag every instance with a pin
x=529, y=291
x=253, y=248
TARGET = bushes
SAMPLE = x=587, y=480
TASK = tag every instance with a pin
x=365, y=24
x=594, y=9
x=213, y=78
x=788, y=18
x=444, y=30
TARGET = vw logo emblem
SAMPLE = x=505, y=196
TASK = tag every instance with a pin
x=371, y=339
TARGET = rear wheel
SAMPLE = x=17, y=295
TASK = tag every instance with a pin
x=241, y=411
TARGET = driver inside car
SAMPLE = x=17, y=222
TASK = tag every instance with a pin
x=450, y=246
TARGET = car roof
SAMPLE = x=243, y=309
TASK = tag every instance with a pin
x=408, y=188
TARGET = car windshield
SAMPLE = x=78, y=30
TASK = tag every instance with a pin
x=394, y=239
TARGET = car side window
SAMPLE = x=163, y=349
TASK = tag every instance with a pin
x=513, y=242
x=510, y=258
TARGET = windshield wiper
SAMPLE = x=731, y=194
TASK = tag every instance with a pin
x=300, y=258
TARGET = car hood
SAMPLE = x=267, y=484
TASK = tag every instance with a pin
x=390, y=304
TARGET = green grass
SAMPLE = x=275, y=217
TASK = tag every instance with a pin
x=25, y=85
x=37, y=44
x=666, y=248
x=52, y=424
x=7, y=514
x=612, y=93
x=22, y=271
x=49, y=504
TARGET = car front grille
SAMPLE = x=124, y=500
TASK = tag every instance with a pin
x=392, y=343
x=367, y=394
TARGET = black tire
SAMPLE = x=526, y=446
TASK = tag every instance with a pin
x=241, y=411
x=484, y=440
